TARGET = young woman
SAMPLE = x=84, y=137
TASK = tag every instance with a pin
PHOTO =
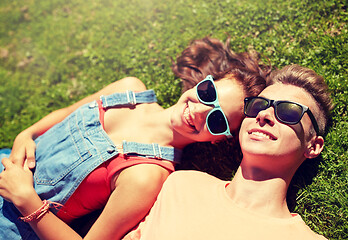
x=115, y=148
x=283, y=127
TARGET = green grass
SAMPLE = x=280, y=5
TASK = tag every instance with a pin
x=53, y=53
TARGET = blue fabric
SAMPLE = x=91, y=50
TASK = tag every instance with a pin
x=128, y=98
x=69, y=151
x=5, y=152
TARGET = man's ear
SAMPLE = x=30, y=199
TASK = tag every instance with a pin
x=315, y=146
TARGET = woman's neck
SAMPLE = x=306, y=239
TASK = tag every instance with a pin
x=161, y=130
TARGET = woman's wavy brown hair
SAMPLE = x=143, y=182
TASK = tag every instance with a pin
x=210, y=56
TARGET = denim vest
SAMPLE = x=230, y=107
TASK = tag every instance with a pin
x=72, y=149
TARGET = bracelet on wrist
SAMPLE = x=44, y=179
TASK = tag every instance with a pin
x=45, y=207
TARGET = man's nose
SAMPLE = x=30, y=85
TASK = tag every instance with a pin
x=266, y=116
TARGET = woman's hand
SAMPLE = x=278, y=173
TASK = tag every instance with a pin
x=16, y=186
x=23, y=150
x=24, y=146
x=16, y=183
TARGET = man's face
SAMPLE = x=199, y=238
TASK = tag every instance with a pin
x=277, y=143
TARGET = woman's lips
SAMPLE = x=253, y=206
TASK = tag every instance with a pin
x=187, y=117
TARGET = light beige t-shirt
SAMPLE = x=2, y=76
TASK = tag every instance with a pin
x=194, y=205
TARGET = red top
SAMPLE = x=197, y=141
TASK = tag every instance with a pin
x=95, y=189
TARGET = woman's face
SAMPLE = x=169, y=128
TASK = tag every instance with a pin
x=272, y=143
x=189, y=114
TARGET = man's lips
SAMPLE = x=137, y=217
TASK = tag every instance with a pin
x=260, y=134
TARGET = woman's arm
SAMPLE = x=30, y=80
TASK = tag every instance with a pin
x=16, y=186
x=136, y=190
x=24, y=145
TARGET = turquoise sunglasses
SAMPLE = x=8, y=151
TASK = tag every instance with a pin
x=217, y=122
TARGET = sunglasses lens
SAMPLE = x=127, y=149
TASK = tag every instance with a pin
x=217, y=122
x=289, y=113
x=206, y=91
x=255, y=105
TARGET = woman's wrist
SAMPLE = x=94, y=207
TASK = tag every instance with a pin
x=27, y=202
x=29, y=132
x=42, y=210
x=37, y=214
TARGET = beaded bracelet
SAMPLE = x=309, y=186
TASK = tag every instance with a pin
x=41, y=211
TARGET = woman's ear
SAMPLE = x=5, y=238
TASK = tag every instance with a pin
x=315, y=146
x=214, y=142
x=217, y=141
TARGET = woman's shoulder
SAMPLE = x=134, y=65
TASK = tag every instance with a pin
x=122, y=85
x=129, y=83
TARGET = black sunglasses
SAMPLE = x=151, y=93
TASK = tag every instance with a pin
x=217, y=123
x=285, y=111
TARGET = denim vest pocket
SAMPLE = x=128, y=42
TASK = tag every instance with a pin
x=61, y=149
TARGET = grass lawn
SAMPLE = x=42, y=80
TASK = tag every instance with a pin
x=53, y=53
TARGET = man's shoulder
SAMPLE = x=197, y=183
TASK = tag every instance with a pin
x=304, y=231
x=190, y=179
x=185, y=175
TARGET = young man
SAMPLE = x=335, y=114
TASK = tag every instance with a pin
x=283, y=127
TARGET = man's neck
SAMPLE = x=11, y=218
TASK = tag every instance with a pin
x=265, y=196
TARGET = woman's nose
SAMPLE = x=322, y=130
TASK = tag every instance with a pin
x=201, y=110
